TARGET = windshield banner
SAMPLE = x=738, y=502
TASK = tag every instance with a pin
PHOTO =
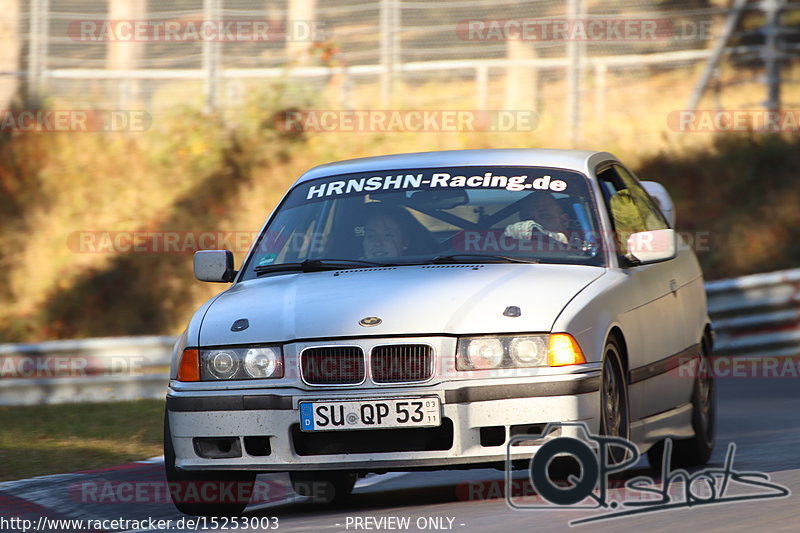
x=509, y=179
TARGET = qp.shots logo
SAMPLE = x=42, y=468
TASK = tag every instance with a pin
x=571, y=468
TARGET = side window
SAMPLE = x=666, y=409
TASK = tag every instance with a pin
x=651, y=214
x=630, y=208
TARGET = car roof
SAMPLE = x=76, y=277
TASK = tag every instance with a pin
x=578, y=160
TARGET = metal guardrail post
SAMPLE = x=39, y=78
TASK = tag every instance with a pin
x=37, y=48
x=390, y=53
x=211, y=57
x=482, y=86
x=574, y=67
x=772, y=53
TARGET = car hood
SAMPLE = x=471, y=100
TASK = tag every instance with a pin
x=409, y=300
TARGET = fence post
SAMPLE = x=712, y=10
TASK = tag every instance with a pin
x=37, y=48
x=211, y=58
x=125, y=55
x=346, y=88
x=396, y=33
x=574, y=61
x=522, y=80
x=771, y=52
x=298, y=51
x=600, y=70
x=9, y=53
x=482, y=86
x=390, y=44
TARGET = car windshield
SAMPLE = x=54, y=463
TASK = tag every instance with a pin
x=419, y=216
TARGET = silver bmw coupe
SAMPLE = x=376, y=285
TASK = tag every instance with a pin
x=417, y=311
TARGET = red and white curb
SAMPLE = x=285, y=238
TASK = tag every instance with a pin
x=135, y=491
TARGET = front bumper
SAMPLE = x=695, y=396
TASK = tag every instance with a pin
x=507, y=406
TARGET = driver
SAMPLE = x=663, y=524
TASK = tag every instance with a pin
x=383, y=237
x=541, y=212
x=391, y=231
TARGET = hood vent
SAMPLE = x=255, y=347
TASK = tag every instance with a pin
x=357, y=270
x=473, y=267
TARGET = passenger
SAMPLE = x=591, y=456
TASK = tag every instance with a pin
x=541, y=212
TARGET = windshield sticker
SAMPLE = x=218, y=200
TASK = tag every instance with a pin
x=436, y=180
x=267, y=259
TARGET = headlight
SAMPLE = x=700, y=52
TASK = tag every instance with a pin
x=261, y=362
x=528, y=351
x=481, y=353
x=223, y=365
x=250, y=362
x=484, y=353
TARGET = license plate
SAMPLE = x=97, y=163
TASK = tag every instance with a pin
x=370, y=414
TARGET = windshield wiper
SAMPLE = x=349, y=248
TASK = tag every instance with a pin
x=316, y=265
x=454, y=258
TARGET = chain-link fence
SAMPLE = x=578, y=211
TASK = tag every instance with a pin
x=577, y=59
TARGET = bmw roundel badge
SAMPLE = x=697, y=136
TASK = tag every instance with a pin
x=370, y=321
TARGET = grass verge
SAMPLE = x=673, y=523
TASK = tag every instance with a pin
x=56, y=439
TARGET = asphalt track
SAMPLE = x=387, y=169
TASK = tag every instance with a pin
x=761, y=416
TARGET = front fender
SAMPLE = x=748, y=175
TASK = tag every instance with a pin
x=593, y=312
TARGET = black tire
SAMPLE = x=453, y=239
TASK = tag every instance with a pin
x=614, y=407
x=324, y=486
x=242, y=480
x=697, y=450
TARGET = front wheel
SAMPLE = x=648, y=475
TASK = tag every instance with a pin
x=614, y=411
x=210, y=493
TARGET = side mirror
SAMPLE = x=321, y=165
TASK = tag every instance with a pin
x=214, y=265
x=652, y=246
x=662, y=198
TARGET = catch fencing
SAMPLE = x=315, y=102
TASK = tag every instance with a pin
x=368, y=54
x=753, y=316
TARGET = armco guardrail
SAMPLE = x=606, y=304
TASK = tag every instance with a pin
x=85, y=370
x=758, y=315
x=754, y=316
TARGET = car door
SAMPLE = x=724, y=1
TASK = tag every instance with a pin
x=653, y=306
